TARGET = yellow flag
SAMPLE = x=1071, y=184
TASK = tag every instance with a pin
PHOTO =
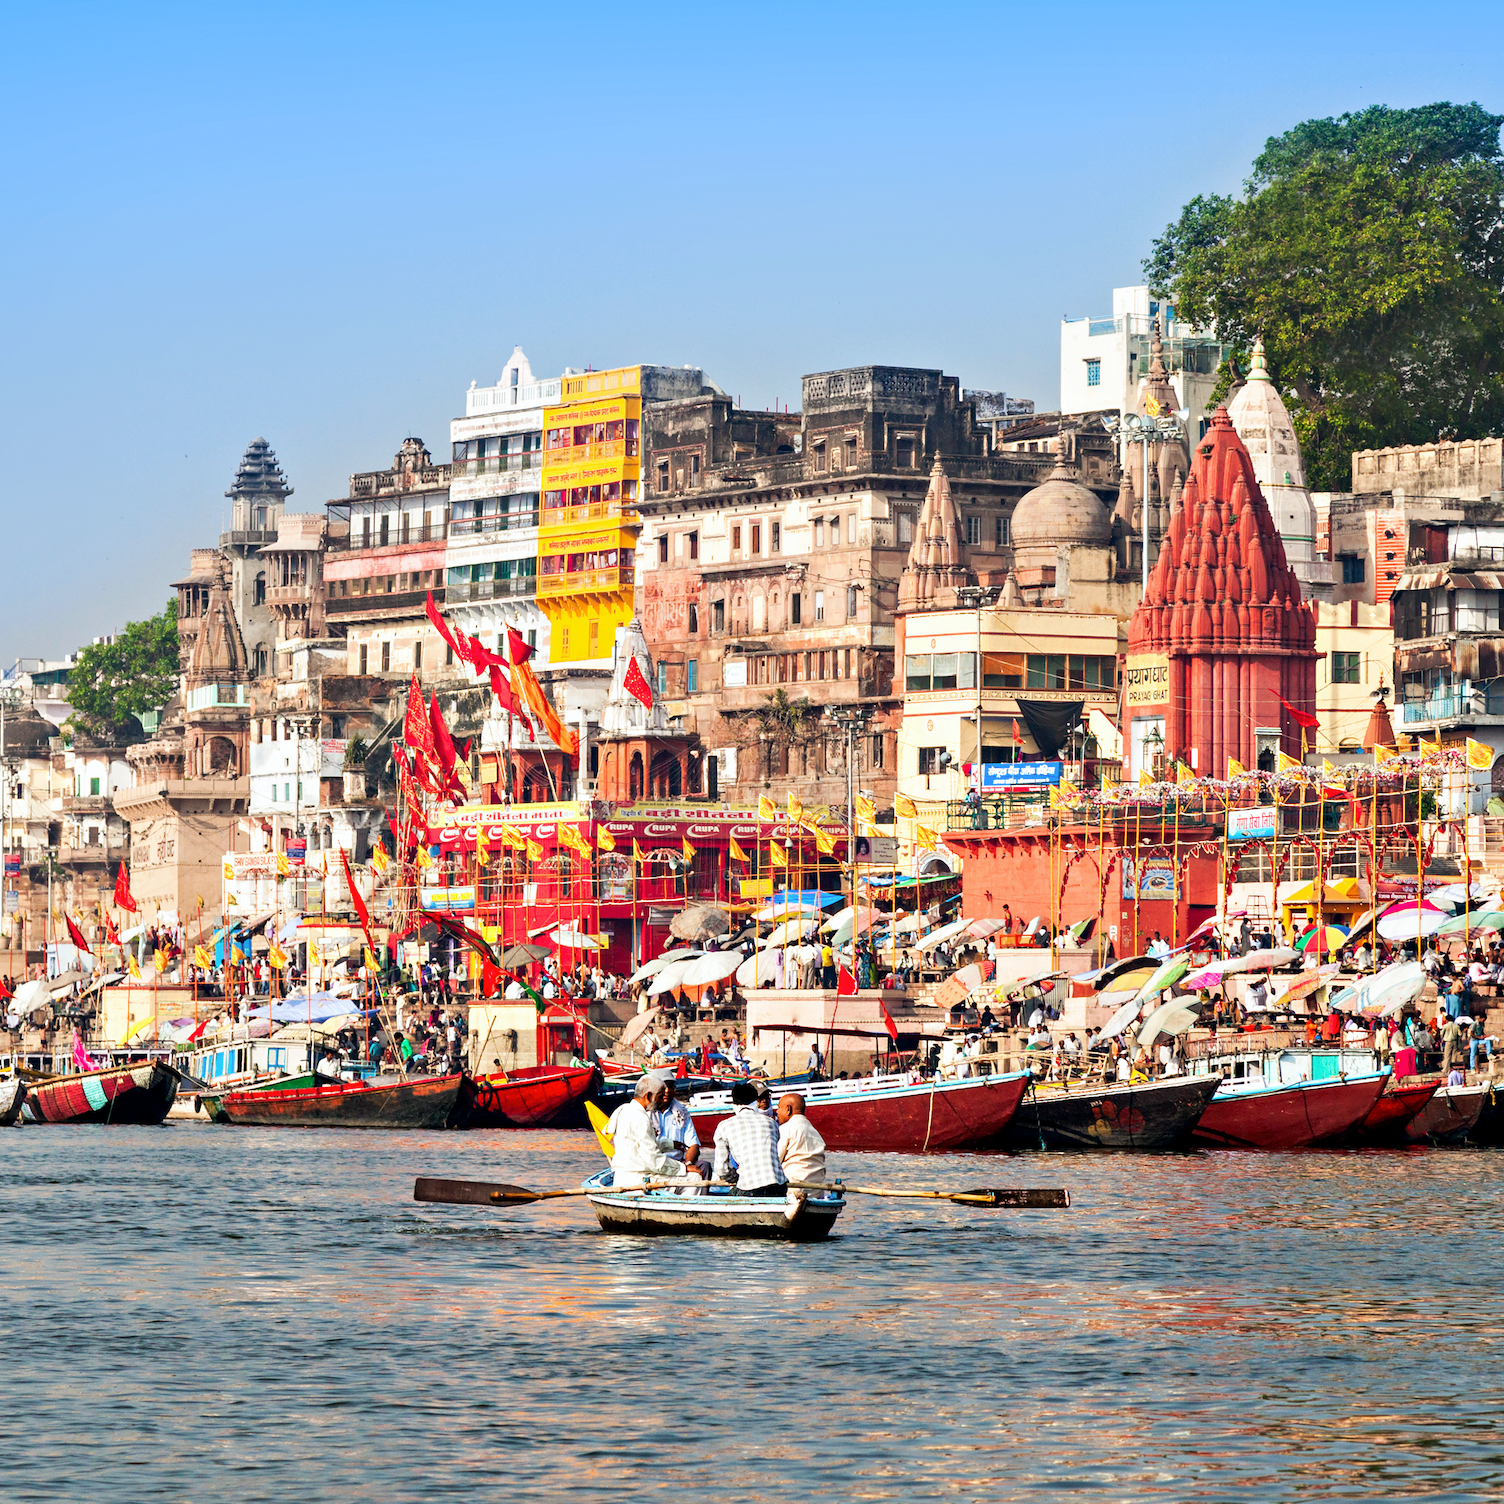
x=1145, y=779
x=796, y=808
x=636, y=851
x=1109, y=791
x=133, y=968
x=229, y=872
x=766, y=809
x=371, y=960
x=276, y=956
x=511, y=836
x=1327, y=769
x=425, y=858
x=824, y=841
x=604, y=839
x=1480, y=756
x=777, y=855
x=924, y=838
x=236, y=955
x=1151, y=405
x=202, y=958
x=866, y=809
x=1235, y=769
x=314, y=958
x=1384, y=754
x=905, y=807
x=1183, y=774
x=1426, y=746
x=1288, y=764
x=534, y=851
x=737, y=854
x=689, y=851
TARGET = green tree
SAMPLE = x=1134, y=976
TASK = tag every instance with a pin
x=1368, y=251
x=113, y=682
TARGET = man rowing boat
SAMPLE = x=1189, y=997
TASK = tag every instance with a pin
x=637, y=1155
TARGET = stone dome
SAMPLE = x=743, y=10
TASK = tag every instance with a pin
x=1060, y=511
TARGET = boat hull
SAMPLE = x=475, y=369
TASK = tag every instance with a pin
x=889, y=1115
x=534, y=1097
x=1301, y=1115
x=1152, y=1115
x=712, y=1214
x=1449, y=1116
x=139, y=1095
x=12, y=1099
x=426, y=1102
x=1388, y=1117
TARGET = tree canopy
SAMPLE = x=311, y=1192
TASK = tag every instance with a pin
x=113, y=682
x=1368, y=252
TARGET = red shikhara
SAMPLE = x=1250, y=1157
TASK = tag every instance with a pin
x=1225, y=609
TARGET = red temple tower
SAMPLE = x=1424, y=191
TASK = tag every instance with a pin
x=1222, y=635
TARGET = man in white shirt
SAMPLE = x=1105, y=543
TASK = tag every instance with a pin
x=801, y=1150
x=637, y=1155
x=676, y=1129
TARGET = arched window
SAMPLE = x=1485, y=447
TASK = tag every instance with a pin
x=634, y=778
x=261, y=589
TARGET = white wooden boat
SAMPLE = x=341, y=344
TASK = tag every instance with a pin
x=715, y=1212
x=12, y=1095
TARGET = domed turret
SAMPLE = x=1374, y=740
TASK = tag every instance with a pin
x=1059, y=513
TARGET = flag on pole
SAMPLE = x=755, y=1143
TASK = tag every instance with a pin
x=511, y=836
x=111, y=934
x=766, y=809
x=1145, y=778
x=76, y=936
x=776, y=855
x=1288, y=764
x=379, y=859
x=888, y=1023
x=202, y=959
x=1235, y=769
x=534, y=851
x=1428, y=747
x=796, y=807
x=845, y=983
x=133, y=968
x=1183, y=774
x=924, y=838
x=825, y=843
x=123, y=899
x=737, y=854
x=482, y=847
x=634, y=681
x=1327, y=769
x=905, y=808
x=604, y=839
x=1383, y=754
x=1480, y=756
x=689, y=852
x=237, y=956
x=866, y=809
x=276, y=957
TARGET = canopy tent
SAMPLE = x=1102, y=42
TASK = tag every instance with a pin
x=801, y=901
x=319, y=1009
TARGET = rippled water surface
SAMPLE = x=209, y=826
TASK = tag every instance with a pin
x=200, y=1314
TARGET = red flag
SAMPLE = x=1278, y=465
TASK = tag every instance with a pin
x=635, y=684
x=442, y=742
x=111, y=934
x=123, y=899
x=517, y=648
x=845, y=983
x=76, y=936
x=1300, y=717
x=357, y=900
x=888, y=1023
x=1017, y=739
x=467, y=936
x=538, y=704
x=416, y=731
x=441, y=627
x=501, y=687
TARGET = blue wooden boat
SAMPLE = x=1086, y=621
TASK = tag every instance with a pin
x=714, y=1212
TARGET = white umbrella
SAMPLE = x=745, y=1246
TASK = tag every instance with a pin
x=1385, y=992
x=653, y=967
x=757, y=969
x=937, y=937
x=572, y=939
x=1170, y=1018
x=1258, y=960
x=1122, y=1017
x=671, y=978
x=715, y=967
x=1409, y=922
x=29, y=995
x=788, y=932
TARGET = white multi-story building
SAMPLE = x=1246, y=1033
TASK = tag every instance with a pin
x=1104, y=362
x=491, y=560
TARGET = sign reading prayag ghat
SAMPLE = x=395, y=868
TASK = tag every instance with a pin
x=1146, y=679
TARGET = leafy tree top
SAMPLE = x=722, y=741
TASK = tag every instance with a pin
x=114, y=682
x=1368, y=251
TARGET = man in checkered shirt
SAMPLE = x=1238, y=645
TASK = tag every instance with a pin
x=747, y=1143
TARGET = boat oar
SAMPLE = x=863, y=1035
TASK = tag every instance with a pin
x=1028, y=1199
x=484, y=1193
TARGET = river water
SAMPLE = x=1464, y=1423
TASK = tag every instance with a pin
x=202, y=1314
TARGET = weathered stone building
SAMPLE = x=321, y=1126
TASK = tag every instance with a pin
x=771, y=552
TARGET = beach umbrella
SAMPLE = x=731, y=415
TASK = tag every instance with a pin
x=758, y=968
x=653, y=967
x=945, y=932
x=788, y=932
x=1491, y=919
x=573, y=939
x=984, y=929
x=1386, y=992
x=1170, y=1018
x=1456, y=894
x=715, y=967
x=1322, y=938
x=1122, y=1017
x=1115, y=974
x=520, y=955
x=1303, y=986
x=671, y=978
x=1081, y=930
x=700, y=921
x=1404, y=921
x=1165, y=975
x=1259, y=960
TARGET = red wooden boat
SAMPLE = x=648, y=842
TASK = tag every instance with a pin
x=537, y=1096
x=1295, y=1116
x=128, y=1094
x=421, y=1102
x=893, y=1114
x=1398, y=1103
x=1449, y=1116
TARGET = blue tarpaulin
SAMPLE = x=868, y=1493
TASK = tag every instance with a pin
x=810, y=898
x=299, y=1010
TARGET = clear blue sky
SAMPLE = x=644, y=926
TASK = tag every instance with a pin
x=321, y=222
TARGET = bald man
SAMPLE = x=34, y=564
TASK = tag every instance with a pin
x=801, y=1150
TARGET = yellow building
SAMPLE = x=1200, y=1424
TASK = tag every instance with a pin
x=587, y=537
x=1356, y=647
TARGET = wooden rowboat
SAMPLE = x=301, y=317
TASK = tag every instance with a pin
x=715, y=1212
x=893, y=1114
x=1147, y=1115
x=12, y=1096
x=1398, y=1103
x=537, y=1096
x=1449, y=1115
x=421, y=1102
x=1300, y=1115
x=133, y=1094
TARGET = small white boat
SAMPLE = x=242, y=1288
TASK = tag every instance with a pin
x=715, y=1212
x=12, y=1096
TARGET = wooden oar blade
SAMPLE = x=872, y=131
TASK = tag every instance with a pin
x=1028, y=1199
x=471, y=1192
